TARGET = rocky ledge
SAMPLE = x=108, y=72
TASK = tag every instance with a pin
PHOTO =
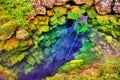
x=102, y=6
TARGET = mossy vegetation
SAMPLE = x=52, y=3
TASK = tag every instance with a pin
x=17, y=10
x=109, y=70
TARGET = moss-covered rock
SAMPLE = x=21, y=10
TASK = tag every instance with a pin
x=50, y=12
x=7, y=30
x=11, y=44
x=91, y=13
x=75, y=12
x=44, y=28
x=59, y=11
x=22, y=8
x=103, y=20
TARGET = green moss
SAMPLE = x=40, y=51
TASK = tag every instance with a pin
x=6, y=30
x=59, y=11
x=75, y=13
x=18, y=10
x=62, y=20
x=85, y=6
x=54, y=20
x=81, y=27
x=21, y=57
x=91, y=13
x=103, y=20
x=31, y=60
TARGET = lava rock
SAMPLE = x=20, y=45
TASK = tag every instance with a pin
x=116, y=7
x=48, y=3
x=39, y=9
x=103, y=6
x=21, y=34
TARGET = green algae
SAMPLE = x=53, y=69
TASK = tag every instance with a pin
x=82, y=29
x=75, y=13
x=70, y=65
x=62, y=20
x=54, y=20
x=91, y=13
x=60, y=11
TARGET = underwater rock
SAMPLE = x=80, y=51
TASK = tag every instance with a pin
x=103, y=6
x=116, y=7
x=48, y=3
x=21, y=34
x=60, y=2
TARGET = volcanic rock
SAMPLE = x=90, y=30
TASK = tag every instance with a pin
x=39, y=9
x=116, y=7
x=48, y=3
x=103, y=6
